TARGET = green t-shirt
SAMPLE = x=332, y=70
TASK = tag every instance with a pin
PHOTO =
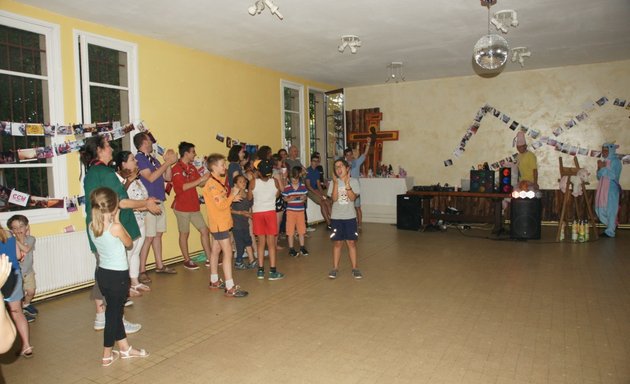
x=103, y=176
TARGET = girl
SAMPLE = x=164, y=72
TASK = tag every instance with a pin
x=295, y=195
x=14, y=299
x=343, y=191
x=241, y=213
x=112, y=274
x=281, y=205
x=264, y=190
x=127, y=167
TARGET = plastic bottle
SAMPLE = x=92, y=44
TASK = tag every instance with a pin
x=574, y=231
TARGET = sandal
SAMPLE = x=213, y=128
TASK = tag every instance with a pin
x=27, y=353
x=128, y=354
x=166, y=270
x=134, y=292
x=143, y=278
x=141, y=288
x=107, y=361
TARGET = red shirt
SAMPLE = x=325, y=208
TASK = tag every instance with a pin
x=188, y=200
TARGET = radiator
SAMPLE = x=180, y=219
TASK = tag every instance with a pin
x=62, y=263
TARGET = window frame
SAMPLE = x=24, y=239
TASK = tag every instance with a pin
x=58, y=165
x=300, y=88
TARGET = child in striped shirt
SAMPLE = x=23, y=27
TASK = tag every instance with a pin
x=295, y=196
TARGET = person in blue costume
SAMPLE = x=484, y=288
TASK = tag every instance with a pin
x=608, y=189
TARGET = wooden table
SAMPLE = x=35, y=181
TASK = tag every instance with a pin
x=495, y=217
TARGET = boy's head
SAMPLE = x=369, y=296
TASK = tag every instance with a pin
x=216, y=163
x=296, y=173
x=18, y=224
x=265, y=168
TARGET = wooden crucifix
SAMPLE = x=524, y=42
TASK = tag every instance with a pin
x=375, y=156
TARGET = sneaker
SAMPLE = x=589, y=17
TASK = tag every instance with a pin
x=131, y=327
x=310, y=229
x=303, y=251
x=144, y=278
x=276, y=276
x=252, y=265
x=293, y=253
x=240, y=265
x=30, y=318
x=236, y=291
x=30, y=309
x=260, y=274
x=332, y=274
x=357, y=274
x=190, y=265
x=128, y=303
x=99, y=321
x=217, y=285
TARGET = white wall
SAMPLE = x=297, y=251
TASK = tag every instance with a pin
x=433, y=115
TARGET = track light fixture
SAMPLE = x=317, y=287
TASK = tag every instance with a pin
x=351, y=41
x=395, y=72
x=519, y=54
x=259, y=6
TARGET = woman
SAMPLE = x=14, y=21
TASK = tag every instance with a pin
x=96, y=156
x=235, y=157
x=14, y=300
x=127, y=168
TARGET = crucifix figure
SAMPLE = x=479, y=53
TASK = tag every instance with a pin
x=375, y=156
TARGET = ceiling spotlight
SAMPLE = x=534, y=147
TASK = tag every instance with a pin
x=351, y=41
x=395, y=72
x=259, y=6
x=504, y=19
x=519, y=54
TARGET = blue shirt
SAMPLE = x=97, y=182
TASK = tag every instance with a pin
x=355, y=167
x=313, y=175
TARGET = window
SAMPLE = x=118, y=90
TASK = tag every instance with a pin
x=30, y=73
x=293, y=116
x=107, y=76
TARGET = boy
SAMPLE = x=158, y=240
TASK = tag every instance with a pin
x=26, y=245
x=295, y=196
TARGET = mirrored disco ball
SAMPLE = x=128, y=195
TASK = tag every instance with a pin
x=491, y=52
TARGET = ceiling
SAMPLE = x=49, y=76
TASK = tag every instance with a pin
x=433, y=39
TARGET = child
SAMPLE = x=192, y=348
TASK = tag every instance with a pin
x=343, y=191
x=241, y=213
x=295, y=196
x=264, y=190
x=112, y=274
x=18, y=224
x=220, y=222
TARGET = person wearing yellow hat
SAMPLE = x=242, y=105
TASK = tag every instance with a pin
x=526, y=162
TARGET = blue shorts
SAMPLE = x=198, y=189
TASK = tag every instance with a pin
x=343, y=229
x=221, y=235
x=18, y=292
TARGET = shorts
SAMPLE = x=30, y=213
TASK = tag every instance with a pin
x=155, y=223
x=185, y=218
x=265, y=223
x=344, y=229
x=315, y=197
x=295, y=219
x=29, y=282
x=357, y=202
x=18, y=291
x=221, y=235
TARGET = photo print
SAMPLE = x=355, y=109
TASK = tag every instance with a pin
x=583, y=151
x=620, y=102
x=18, y=129
x=569, y=124
x=557, y=131
x=35, y=129
x=533, y=133
x=228, y=142
x=28, y=154
x=448, y=163
x=603, y=100
x=595, y=153
x=5, y=128
x=505, y=118
x=514, y=125
x=582, y=116
x=496, y=113
x=220, y=137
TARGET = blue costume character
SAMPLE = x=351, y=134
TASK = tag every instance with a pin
x=608, y=189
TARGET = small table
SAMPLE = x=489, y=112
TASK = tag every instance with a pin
x=496, y=218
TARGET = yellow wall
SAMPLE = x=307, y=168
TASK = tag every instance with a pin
x=184, y=95
x=432, y=116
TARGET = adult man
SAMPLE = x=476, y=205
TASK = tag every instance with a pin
x=153, y=175
x=186, y=179
x=293, y=160
x=316, y=191
x=526, y=162
x=608, y=189
x=355, y=173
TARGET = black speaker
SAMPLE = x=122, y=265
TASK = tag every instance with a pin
x=482, y=181
x=525, y=218
x=408, y=212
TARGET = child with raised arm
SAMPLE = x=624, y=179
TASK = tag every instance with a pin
x=343, y=191
x=18, y=224
x=112, y=274
x=295, y=196
x=220, y=223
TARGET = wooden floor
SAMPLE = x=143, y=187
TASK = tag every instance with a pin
x=445, y=307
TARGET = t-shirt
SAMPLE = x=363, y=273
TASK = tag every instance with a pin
x=27, y=262
x=188, y=200
x=240, y=221
x=218, y=205
x=156, y=188
x=233, y=167
x=343, y=208
x=293, y=163
x=355, y=167
x=103, y=176
x=526, y=166
x=313, y=175
x=290, y=191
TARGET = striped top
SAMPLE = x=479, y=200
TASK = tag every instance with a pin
x=290, y=191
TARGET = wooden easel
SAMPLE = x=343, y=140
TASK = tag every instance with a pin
x=569, y=172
